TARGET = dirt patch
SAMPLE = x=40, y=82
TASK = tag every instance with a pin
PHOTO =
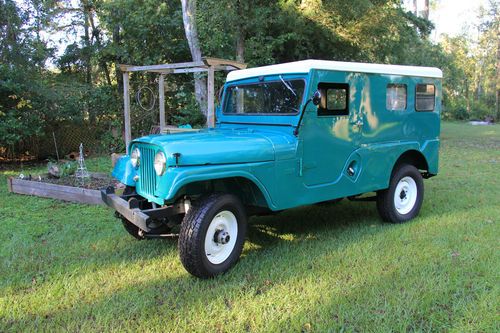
x=91, y=183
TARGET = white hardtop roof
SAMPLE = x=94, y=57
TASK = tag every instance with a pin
x=305, y=66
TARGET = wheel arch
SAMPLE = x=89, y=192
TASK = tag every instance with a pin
x=412, y=157
x=250, y=191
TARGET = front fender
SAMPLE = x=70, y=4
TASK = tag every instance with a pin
x=177, y=177
x=124, y=172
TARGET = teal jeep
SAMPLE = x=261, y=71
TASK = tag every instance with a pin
x=286, y=135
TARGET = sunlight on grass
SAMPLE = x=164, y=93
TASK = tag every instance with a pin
x=316, y=268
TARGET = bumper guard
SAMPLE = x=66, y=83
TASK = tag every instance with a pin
x=128, y=207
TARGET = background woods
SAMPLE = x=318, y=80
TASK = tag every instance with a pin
x=72, y=89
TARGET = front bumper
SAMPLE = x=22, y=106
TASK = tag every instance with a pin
x=129, y=207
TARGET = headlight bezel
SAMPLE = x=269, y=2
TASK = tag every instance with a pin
x=135, y=157
x=160, y=163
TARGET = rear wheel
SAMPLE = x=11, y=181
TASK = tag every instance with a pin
x=212, y=235
x=403, y=199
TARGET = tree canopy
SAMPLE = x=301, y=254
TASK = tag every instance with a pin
x=43, y=86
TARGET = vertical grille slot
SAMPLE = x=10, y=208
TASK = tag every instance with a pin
x=147, y=172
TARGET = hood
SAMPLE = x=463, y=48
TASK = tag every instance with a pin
x=218, y=146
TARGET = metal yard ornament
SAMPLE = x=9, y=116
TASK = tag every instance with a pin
x=82, y=171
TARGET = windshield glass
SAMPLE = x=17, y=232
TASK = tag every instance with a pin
x=276, y=97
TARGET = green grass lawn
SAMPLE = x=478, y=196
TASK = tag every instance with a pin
x=314, y=269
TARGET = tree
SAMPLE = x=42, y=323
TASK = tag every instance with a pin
x=425, y=12
x=189, y=20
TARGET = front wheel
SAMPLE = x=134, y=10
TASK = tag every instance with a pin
x=212, y=235
x=401, y=202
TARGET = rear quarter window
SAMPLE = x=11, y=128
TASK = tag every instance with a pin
x=425, y=97
x=395, y=97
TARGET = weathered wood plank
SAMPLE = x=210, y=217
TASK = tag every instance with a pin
x=161, y=104
x=54, y=191
x=126, y=110
x=132, y=68
x=9, y=184
x=210, y=97
x=180, y=70
x=220, y=62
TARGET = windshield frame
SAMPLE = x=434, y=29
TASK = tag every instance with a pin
x=261, y=80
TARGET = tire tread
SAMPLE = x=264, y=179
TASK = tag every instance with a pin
x=189, y=237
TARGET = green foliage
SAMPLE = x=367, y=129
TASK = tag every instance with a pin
x=86, y=87
x=188, y=113
x=62, y=169
x=17, y=117
x=471, y=77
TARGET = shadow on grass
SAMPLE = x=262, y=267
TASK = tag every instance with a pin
x=299, y=231
x=404, y=291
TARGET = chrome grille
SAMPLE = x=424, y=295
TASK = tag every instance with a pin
x=147, y=172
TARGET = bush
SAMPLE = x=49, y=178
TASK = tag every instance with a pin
x=481, y=110
x=455, y=109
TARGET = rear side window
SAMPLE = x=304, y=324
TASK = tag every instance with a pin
x=395, y=97
x=334, y=99
x=425, y=97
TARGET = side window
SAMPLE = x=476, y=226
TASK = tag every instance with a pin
x=425, y=97
x=395, y=99
x=334, y=99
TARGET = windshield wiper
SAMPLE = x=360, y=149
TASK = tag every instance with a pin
x=288, y=87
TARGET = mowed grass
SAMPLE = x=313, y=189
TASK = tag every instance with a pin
x=337, y=268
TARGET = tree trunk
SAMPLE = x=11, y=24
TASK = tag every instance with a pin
x=426, y=10
x=95, y=35
x=86, y=39
x=240, y=34
x=497, y=100
x=415, y=7
x=116, y=43
x=467, y=99
x=189, y=20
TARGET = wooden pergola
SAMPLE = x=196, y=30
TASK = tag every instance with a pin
x=209, y=65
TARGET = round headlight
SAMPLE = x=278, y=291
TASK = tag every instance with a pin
x=135, y=157
x=160, y=163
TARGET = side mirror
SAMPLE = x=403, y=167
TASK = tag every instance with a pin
x=316, y=99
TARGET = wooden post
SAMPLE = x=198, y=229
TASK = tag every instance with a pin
x=9, y=184
x=161, y=93
x=126, y=110
x=210, y=97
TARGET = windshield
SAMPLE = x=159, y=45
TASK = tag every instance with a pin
x=275, y=97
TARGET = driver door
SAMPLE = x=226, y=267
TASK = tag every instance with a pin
x=331, y=133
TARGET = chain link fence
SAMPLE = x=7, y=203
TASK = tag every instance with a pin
x=57, y=142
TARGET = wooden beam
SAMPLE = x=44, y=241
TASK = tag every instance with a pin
x=220, y=62
x=210, y=97
x=191, y=70
x=161, y=93
x=152, y=68
x=181, y=70
x=9, y=184
x=225, y=68
x=126, y=110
